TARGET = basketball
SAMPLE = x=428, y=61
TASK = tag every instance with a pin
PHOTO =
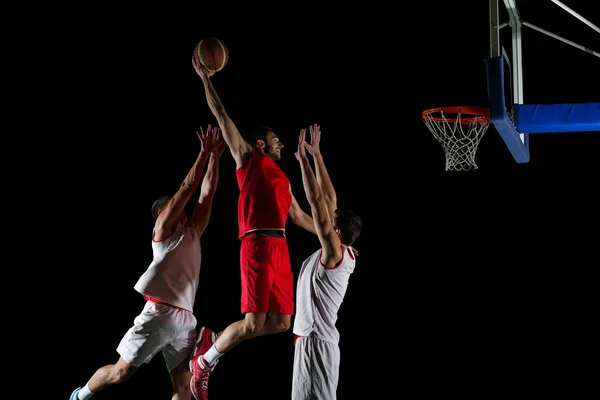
x=212, y=53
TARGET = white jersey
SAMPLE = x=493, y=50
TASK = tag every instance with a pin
x=174, y=273
x=319, y=295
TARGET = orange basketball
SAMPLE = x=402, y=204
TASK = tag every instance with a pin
x=212, y=53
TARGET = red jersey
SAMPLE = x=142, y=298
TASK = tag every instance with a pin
x=265, y=197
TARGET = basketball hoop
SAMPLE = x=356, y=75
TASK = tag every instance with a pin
x=459, y=130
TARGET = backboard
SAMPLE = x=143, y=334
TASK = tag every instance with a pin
x=513, y=118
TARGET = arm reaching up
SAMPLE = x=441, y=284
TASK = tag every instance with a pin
x=330, y=242
x=174, y=210
x=322, y=174
x=323, y=179
x=202, y=210
x=237, y=145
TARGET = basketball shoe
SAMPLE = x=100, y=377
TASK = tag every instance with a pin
x=200, y=369
x=74, y=394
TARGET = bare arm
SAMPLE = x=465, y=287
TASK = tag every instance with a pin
x=322, y=174
x=203, y=207
x=167, y=220
x=175, y=209
x=299, y=217
x=237, y=145
x=331, y=245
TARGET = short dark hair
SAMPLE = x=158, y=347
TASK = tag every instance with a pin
x=159, y=205
x=261, y=133
x=349, y=224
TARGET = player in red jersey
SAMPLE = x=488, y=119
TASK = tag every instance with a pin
x=264, y=204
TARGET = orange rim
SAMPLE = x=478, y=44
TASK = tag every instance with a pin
x=467, y=114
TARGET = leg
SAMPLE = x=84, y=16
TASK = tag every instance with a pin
x=177, y=355
x=138, y=346
x=327, y=368
x=210, y=348
x=258, y=260
x=103, y=378
x=253, y=325
x=301, y=382
x=316, y=369
x=111, y=375
x=180, y=378
x=277, y=323
x=267, y=285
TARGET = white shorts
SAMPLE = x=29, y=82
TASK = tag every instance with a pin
x=159, y=327
x=316, y=369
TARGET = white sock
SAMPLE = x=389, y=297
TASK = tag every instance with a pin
x=85, y=393
x=211, y=356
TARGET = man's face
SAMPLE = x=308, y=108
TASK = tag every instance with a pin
x=273, y=146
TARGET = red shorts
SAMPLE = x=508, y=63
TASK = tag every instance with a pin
x=267, y=279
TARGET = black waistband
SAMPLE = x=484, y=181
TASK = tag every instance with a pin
x=269, y=232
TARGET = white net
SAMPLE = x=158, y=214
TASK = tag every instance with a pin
x=459, y=131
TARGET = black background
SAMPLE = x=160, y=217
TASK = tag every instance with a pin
x=467, y=283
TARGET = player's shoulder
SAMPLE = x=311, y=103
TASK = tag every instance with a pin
x=165, y=240
x=348, y=259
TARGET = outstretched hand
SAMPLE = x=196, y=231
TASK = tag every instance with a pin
x=315, y=139
x=211, y=140
x=201, y=70
x=220, y=147
x=301, y=153
x=220, y=144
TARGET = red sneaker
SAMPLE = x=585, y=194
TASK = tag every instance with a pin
x=205, y=340
x=200, y=369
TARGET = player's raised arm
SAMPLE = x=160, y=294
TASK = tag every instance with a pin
x=172, y=213
x=322, y=174
x=330, y=242
x=237, y=145
x=203, y=208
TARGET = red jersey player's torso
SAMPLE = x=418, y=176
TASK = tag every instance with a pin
x=265, y=197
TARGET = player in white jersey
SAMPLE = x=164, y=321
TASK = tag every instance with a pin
x=322, y=281
x=167, y=323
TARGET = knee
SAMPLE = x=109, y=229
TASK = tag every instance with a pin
x=251, y=327
x=282, y=326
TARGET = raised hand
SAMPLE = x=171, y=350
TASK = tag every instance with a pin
x=201, y=70
x=315, y=138
x=210, y=139
x=301, y=153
